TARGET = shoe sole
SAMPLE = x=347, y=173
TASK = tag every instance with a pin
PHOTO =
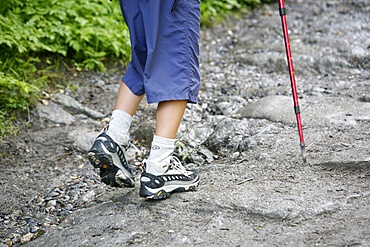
x=112, y=175
x=163, y=194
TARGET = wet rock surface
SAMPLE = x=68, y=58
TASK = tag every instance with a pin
x=241, y=137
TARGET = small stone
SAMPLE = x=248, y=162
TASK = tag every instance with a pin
x=34, y=229
x=39, y=233
x=88, y=196
x=69, y=207
x=45, y=102
x=55, y=114
x=26, y=238
x=16, y=238
x=8, y=242
x=105, y=120
x=358, y=51
x=52, y=203
x=53, y=194
x=17, y=213
x=46, y=224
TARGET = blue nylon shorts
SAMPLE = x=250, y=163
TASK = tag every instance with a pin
x=165, y=49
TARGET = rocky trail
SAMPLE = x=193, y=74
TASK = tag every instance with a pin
x=241, y=137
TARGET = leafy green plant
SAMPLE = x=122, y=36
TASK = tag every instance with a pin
x=216, y=10
x=35, y=35
x=16, y=94
x=7, y=128
x=86, y=31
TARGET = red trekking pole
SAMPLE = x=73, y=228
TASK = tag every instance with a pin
x=292, y=78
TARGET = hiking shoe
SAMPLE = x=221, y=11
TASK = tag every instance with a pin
x=109, y=157
x=175, y=179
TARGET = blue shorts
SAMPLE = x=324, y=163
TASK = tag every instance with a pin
x=165, y=49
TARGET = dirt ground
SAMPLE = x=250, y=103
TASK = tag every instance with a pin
x=255, y=189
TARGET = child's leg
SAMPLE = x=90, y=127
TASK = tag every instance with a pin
x=121, y=119
x=168, y=117
x=107, y=153
x=127, y=101
x=164, y=172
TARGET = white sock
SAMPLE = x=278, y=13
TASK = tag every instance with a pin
x=119, y=126
x=161, y=149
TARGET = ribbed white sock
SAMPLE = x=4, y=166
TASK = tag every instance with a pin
x=119, y=126
x=161, y=149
